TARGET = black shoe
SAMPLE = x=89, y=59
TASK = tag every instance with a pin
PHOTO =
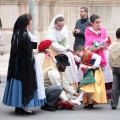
x=28, y=113
x=113, y=108
x=19, y=110
x=61, y=107
x=89, y=106
x=48, y=108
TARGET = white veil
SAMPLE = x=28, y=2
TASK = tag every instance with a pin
x=60, y=34
x=56, y=36
x=52, y=24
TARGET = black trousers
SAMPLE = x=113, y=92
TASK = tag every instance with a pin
x=115, y=87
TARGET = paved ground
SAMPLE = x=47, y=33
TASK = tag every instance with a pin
x=100, y=112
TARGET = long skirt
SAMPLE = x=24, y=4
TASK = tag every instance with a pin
x=13, y=95
x=93, y=83
x=108, y=77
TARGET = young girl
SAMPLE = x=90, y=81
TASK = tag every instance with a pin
x=96, y=33
x=92, y=86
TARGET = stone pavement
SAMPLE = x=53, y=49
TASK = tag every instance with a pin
x=100, y=112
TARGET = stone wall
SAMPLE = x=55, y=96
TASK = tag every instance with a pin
x=45, y=10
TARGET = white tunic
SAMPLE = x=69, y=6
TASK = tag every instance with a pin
x=56, y=37
x=39, y=73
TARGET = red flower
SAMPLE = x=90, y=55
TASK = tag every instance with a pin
x=44, y=45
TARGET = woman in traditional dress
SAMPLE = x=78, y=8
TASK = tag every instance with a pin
x=22, y=89
x=58, y=34
x=96, y=41
x=92, y=86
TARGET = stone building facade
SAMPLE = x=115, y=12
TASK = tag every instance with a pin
x=45, y=10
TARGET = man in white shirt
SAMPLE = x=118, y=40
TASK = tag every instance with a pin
x=54, y=75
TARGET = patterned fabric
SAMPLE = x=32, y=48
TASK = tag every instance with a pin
x=114, y=54
x=21, y=64
x=87, y=57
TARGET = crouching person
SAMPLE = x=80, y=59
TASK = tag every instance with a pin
x=54, y=75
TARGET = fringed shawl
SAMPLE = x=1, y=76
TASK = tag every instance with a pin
x=21, y=65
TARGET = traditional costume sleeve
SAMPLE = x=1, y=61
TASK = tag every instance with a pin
x=54, y=78
x=33, y=40
x=97, y=59
x=51, y=36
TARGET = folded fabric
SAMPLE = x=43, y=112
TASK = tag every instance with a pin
x=63, y=105
x=87, y=78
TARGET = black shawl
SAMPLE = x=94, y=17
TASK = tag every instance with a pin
x=21, y=65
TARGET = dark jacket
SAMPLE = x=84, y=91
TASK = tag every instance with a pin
x=81, y=24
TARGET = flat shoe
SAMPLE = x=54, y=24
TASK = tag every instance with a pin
x=89, y=106
x=28, y=113
x=113, y=108
x=48, y=108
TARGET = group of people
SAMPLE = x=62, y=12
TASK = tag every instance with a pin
x=83, y=72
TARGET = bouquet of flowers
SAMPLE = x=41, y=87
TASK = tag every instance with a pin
x=102, y=44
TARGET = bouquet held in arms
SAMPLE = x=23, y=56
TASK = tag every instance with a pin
x=104, y=44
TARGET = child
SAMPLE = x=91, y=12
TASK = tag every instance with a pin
x=92, y=86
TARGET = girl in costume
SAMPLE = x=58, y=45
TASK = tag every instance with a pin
x=97, y=42
x=22, y=89
x=58, y=34
x=92, y=86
